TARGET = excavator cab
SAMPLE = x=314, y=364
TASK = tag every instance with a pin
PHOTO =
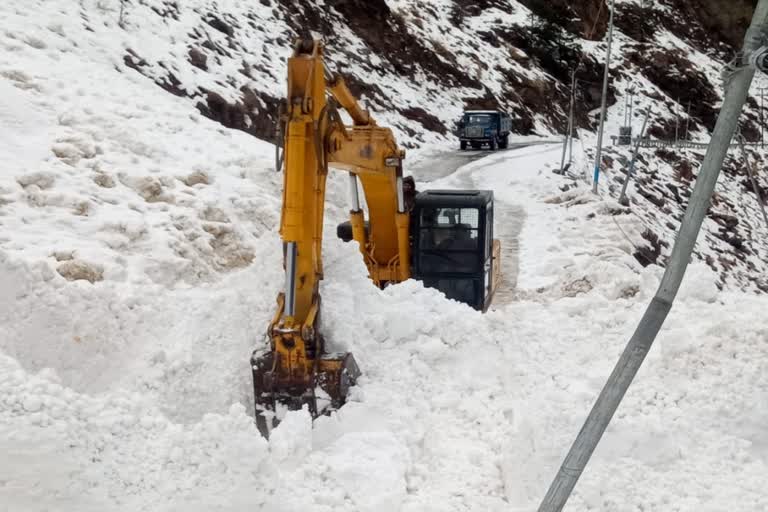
x=453, y=246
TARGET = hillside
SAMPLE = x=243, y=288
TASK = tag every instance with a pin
x=417, y=64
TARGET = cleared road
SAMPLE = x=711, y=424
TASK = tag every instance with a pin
x=433, y=166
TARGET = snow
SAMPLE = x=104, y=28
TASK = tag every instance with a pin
x=139, y=264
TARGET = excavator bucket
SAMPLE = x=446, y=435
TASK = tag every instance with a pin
x=324, y=391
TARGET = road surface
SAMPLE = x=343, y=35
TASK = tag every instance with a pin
x=433, y=166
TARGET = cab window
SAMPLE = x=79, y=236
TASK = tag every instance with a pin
x=448, y=240
x=452, y=229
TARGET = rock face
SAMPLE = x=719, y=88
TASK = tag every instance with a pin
x=716, y=22
x=586, y=18
x=418, y=63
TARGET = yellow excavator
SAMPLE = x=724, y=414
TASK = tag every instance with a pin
x=445, y=240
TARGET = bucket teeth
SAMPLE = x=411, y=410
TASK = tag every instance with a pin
x=324, y=387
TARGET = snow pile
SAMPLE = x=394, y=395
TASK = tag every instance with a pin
x=95, y=165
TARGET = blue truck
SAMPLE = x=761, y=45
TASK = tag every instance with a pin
x=484, y=127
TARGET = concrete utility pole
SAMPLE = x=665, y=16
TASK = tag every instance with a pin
x=631, y=359
x=599, y=155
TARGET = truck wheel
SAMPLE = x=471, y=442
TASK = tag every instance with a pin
x=463, y=145
x=493, y=144
x=504, y=144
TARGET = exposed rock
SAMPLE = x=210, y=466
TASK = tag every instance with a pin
x=674, y=73
x=196, y=178
x=43, y=180
x=198, y=59
x=104, y=180
x=74, y=270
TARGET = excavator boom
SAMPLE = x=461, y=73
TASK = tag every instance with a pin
x=453, y=245
x=295, y=368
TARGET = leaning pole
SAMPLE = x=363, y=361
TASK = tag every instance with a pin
x=737, y=88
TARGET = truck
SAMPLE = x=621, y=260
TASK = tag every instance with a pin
x=479, y=127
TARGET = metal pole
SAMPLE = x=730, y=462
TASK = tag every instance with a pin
x=603, y=107
x=762, y=116
x=569, y=130
x=626, y=109
x=751, y=173
x=677, y=121
x=565, y=149
x=623, y=196
x=632, y=358
x=687, y=119
x=571, y=114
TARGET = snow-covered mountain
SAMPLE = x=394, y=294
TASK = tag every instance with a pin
x=139, y=264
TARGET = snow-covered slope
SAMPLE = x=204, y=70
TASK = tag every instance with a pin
x=139, y=263
x=418, y=63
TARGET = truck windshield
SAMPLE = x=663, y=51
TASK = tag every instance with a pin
x=477, y=119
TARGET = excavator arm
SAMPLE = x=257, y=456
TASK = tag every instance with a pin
x=295, y=369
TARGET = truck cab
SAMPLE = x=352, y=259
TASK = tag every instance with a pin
x=484, y=127
x=453, y=248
